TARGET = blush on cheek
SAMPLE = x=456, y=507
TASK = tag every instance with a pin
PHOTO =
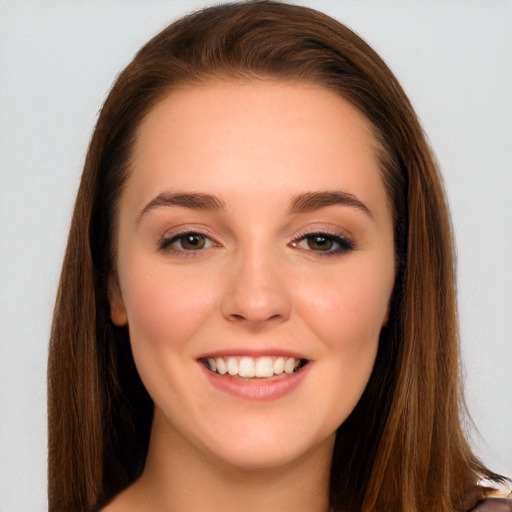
x=163, y=312
x=355, y=303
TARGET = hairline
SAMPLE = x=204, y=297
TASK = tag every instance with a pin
x=242, y=76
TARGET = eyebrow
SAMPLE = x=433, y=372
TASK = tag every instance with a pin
x=303, y=203
x=192, y=200
x=311, y=201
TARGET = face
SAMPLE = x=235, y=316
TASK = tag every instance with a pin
x=255, y=267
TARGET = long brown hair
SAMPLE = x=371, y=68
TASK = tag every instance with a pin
x=402, y=448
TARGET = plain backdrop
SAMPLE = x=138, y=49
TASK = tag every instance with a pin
x=57, y=62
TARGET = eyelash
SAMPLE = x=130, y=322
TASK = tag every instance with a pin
x=343, y=244
x=166, y=244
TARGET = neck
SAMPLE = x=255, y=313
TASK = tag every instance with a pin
x=177, y=477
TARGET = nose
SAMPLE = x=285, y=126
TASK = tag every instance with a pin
x=256, y=294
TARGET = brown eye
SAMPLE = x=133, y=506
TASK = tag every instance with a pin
x=320, y=243
x=192, y=242
x=186, y=242
x=324, y=243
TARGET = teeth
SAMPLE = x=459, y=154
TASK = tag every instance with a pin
x=264, y=367
x=249, y=367
x=232, y=366
x=289, y=366
x=279, y=365
x=246, y=367
x=221, y=366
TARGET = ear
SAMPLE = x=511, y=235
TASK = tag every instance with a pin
x=117, y=310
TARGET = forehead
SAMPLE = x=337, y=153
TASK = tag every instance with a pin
x=264, y=135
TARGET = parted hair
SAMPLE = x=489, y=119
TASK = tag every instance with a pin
x=403, y=447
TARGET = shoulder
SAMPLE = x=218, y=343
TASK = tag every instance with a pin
x=494, y=504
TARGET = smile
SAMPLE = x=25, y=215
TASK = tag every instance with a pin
x=244, y=367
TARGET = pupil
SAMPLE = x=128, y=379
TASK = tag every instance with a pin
x=319, y=243
x=193, y=242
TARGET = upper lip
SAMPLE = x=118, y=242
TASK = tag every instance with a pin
x=252, y=352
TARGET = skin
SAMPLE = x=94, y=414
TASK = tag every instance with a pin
x=262, y=284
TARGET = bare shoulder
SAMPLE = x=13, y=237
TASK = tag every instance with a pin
x=494, y=504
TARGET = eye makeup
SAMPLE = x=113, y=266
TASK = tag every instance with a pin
x=186, y=243
x=323, y=243
x=192, y=242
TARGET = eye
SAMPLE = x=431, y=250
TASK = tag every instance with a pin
x=186, y=242
x=324, y=243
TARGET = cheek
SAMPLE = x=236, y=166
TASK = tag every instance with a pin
x=164, y=309
x=347, y=309
x=345, y=312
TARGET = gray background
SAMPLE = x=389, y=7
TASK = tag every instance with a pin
x=59, y=58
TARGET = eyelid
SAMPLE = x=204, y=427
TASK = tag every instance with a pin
x=174, y=234
x=323, y=228
x=338, y=235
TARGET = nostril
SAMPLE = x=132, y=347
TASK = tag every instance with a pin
x=236, y=317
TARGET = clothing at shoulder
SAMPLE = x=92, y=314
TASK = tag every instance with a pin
x=494, y=505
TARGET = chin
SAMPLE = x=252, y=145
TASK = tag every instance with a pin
x=259, y=460
x=260, y=451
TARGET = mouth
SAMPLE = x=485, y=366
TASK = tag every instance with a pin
x=247, y=368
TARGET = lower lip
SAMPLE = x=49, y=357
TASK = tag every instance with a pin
x=265, y=390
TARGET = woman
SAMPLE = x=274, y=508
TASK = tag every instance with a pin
x=261, y=278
